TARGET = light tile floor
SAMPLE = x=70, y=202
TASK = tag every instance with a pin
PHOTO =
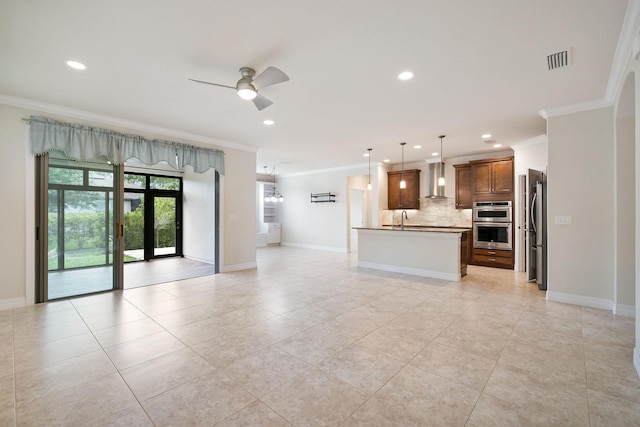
x=308, y=339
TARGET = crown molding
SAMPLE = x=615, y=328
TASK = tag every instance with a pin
x=575, y=108
x=479, y=156
x=43, y=107
x=624, y=50
x=327, y=170
x=533, y=141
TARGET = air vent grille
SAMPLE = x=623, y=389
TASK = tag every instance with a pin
x=559, y=59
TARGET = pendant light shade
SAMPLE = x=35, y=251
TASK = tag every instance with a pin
x=369, y=186
x=441, y=168
x=403, y=183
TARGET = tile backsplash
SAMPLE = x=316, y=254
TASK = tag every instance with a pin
x=433, y=212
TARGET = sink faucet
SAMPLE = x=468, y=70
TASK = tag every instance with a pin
x=403, y=216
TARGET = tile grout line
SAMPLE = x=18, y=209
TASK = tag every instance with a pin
x=114, y=367
x=584, y=358
x=399, y=370
x=493, y=369
x=13, y=365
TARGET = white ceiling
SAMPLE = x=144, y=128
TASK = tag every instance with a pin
x=480, y=66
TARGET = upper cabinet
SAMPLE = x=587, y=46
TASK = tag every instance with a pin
x=492, y=176
x=404, y=198
x=463, y=186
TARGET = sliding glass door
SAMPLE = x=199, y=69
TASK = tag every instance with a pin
x=78, y=217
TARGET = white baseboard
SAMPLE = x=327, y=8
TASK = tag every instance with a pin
x=636, y=359
x=624, y=310
x=601, y=303
x=206, y=261
x=452, y=277
x=9, y=303
x=238, y=267
x=321, y=248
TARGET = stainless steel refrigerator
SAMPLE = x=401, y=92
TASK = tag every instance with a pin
x=536, y=229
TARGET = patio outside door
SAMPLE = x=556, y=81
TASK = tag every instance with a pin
x=152, y=217
x=166, y=226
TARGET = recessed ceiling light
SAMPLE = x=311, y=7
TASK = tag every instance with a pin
x=268, y=122
x=405, y=75
x=497, y=145
x=366, y=154
x=417, y=147
x=435, y=154
x=76, y=65
x=386, y=160
x=487, y=136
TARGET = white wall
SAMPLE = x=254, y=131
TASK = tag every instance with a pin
x=198, y=211
x=624, y=283
x=17, y=246
x=13, y=192
x=580, y=184
x=238, y=216
x=316, y=225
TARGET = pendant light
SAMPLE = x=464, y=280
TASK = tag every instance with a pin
x=369, y=187
x=403, y=183
x=440, y=168
x=275, y=195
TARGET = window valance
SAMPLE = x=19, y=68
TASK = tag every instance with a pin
x=85, y=143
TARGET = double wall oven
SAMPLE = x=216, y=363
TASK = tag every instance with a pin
x=492, y=225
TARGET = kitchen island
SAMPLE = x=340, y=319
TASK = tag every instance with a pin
x=438, y=252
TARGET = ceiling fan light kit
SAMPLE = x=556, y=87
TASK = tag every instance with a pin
x=248, y=87
x=246, y=91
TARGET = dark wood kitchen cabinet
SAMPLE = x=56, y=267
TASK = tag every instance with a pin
x=493, y=176
x=463, y=186
x=404, y=198
x=492, y=258
x=465, y=252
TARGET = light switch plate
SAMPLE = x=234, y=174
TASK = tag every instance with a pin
x=563, y=219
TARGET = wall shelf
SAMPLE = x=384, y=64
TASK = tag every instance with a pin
x=323, y=197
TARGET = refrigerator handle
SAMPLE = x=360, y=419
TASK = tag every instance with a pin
x=533, y=214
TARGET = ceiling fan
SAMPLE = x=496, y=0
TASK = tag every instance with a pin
x=248, y=86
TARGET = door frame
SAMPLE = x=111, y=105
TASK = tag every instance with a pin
x=41, y=204
x=149, y=196
x=149, y=223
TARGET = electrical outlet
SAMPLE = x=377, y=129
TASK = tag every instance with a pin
x=563, y=219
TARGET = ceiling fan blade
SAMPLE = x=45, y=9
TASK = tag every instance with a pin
x=261, y=102
x=268, y=77
x=213, y=84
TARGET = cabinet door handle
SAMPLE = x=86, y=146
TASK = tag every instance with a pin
x=491, y=253
x=491, y=259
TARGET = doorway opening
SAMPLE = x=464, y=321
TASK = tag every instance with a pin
x=152, y=216
x=95, y=220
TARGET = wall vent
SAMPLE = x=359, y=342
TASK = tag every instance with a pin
x=559, y=59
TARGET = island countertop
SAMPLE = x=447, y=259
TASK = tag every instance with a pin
x=439, y=252
x=421, y=228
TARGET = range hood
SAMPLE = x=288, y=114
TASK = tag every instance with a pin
x=434, y=191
